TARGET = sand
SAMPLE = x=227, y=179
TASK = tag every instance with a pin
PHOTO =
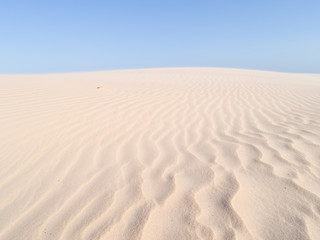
x=190, y=153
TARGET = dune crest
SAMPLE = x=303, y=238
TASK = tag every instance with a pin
x=160, y=154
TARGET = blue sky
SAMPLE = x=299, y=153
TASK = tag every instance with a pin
x=72, y=36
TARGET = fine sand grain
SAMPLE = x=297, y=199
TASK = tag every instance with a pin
x=160, y=154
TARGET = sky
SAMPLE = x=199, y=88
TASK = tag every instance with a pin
x=76, y=36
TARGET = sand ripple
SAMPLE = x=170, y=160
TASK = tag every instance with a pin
x=160, y=154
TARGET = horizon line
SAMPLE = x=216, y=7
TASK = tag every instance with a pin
x=156, y=68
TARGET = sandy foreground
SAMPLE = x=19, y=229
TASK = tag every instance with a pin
x=160, y=154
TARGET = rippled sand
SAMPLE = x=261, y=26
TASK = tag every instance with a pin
x=160, y=154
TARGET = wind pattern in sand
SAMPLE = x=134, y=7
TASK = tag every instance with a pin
x=160, y=154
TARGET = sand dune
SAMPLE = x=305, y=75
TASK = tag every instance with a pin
x=160, y=154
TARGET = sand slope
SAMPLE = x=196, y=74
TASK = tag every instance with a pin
x=160, y=154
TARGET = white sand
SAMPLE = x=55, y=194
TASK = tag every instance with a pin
x=160, y=154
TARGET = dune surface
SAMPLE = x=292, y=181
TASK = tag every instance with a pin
x=168, y=154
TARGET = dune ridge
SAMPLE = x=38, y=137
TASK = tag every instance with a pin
x=193, y=153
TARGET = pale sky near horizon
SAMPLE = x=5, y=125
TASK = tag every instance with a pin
x=76, y=36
